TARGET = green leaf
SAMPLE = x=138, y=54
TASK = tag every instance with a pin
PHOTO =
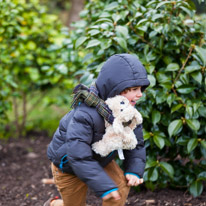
x=197, y=76
x=62, y=68
x=167, y=168
x=121, y=42
x=155, y=116
x=202, y=53
x=104, y=26
x=150, y=163
x=138, y=14
x=111, y=6
x=172, y=67
x=202, y=111
x=196, y=106
x=124, y=14
x=176, y=107
x=163, y=3
x=99, y=67
x=142, y=21
x=193, y=124
x=203, y=144
x=159, y=141
x=34, y=74
x=196, y=188
x=160, y=97
x=146, y=135
x=185, y=89
x=10, y=81
x=192, y=68
x=182, y=141
x=174, y=127
x=93, y=43
x=123, y=31
x=152, y=80
x=86, y=78
x=116, y=17
x=170, y=99
x=202, y=176
x=184, y=78
x=189, y=110
x=92, y=32
x=80, y=41
x=152, y=174
x=167, y=86
x=152, y=34
x=162, y=77
x=105, y=14
x=31, y=45
x=151, y=2
x=192, y=144
x=188, y=11
x=157, y=16
x=104, y=20
x=150, y=68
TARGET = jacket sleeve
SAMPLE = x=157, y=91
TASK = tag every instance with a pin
x=79, y=139
x=135, y=159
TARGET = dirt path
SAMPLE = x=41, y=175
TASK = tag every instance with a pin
x=23, y=164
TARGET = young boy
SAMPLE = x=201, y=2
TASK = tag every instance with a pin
x=74, y=165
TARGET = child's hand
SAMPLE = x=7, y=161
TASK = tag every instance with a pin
x=114, y=194
x=133, y=180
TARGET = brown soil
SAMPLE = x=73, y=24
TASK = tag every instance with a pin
x=23, y=164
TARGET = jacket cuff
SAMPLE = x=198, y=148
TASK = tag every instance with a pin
x=106, y=193
x=130, y=173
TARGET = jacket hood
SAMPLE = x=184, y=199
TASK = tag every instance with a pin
x=119, y=72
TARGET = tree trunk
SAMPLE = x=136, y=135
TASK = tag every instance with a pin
x=76, y=7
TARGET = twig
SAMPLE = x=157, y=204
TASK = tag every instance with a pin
x=24, y=104
x=37, y=102
x=183, y=66
x=141, y=37
x=16, y=114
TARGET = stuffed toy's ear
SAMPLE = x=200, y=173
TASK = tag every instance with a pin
x=117, y=104
x=117, y=126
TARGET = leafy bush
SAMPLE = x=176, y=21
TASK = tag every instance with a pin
x=38, y=54
x=169, y=40
x=35, y=55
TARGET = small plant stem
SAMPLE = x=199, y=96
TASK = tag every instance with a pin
x=37, y=102
x=16, y=115
x=24, y=109
x=183, y=66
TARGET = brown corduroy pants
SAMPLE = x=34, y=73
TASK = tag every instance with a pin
x=73, y=191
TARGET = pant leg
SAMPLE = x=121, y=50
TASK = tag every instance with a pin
x=72, y=190
x=116, y=173
x=57, y=203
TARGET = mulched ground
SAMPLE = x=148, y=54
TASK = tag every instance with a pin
x=23, y=164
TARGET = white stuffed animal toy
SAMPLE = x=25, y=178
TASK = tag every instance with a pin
x=120, y=134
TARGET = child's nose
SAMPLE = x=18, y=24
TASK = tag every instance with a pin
x=139, y=93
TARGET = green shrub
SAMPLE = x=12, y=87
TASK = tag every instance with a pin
x=33, y=57
x=169, y=40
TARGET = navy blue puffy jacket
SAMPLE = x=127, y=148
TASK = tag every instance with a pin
x=70, y=148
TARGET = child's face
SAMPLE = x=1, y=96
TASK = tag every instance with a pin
x=133, y=95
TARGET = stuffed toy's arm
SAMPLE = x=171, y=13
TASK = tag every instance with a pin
x=117, y=126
